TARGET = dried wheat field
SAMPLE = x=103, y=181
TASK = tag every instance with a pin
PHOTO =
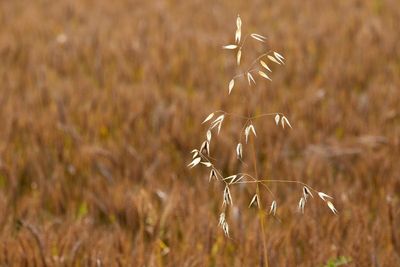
x=102, y=102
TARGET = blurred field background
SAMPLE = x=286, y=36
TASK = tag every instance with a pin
x=101, y=103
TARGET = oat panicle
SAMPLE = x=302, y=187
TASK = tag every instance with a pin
x=259, y=68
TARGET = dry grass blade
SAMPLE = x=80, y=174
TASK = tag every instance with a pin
x=246, y=133
x=218, y=123
x=221, y=219
x=195, y=153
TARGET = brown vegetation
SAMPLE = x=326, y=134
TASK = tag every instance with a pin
x=101, y=103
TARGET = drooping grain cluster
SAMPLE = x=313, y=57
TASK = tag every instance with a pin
x=215, y=119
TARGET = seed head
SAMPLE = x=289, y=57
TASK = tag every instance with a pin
x=272, y=210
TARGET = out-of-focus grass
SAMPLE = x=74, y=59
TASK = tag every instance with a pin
x=100, y=104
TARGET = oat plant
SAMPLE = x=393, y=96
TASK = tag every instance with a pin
x=259, y=69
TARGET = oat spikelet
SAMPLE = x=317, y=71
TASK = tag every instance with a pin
x=239, y=151
x=209, y=135
x=265, y=65
x=285, y=121
x=258, y=67
x=258, y=37
x=207, y=164
x=238, y=56
x=225, y=228
x=221, y=219
x=230, y=47
x=238, y=22
x=324, y=196
x=264, y=75
x=247, y=132
x=254, y=200
x=238, y=29
x=272, y=210
x=250, y=78
x=213, y=174
x=205, y=148
x=209, y=117
x=279, y=57
x=272, y=59
x=231, y=85
x=306, y=193
x=227, y=197
x=194, y=162
x=332, y=207
x=238, y=33
x=277, y=118
x=301, y=205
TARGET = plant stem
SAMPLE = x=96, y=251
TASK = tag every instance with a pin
x=260, y=210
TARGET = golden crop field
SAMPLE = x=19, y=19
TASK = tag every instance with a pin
x=102, y=101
